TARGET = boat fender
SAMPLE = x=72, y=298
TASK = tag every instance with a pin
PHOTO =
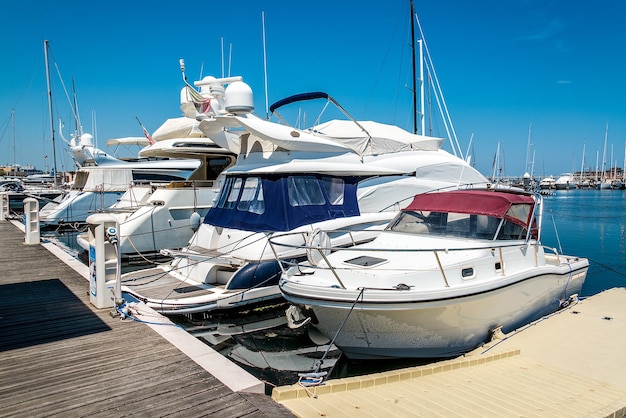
x=194, y=221
x=295, y=317
x=311, y=379
x=497, y=334
x=565, y=303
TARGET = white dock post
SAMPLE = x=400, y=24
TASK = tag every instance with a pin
x=31, y=221
x=104, y=261
x=4, y=205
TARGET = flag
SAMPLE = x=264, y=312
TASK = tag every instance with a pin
x=145, y=132
x=202, y=104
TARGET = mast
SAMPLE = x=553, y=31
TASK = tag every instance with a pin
x=414, y=72
x=54, y=155
x=606, y=137
x=79, y=126
x=582, y=168
x=417, y=111
x=528, y=148
x=13, y=130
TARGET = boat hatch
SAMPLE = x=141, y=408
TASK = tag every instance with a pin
x=365, y=261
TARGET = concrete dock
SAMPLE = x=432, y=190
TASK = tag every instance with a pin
x=570, y=364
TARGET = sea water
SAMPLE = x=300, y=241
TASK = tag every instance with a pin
x=590, y=224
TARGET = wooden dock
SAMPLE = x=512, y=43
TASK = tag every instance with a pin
x=60, y=356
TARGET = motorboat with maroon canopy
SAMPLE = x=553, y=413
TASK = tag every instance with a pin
x=447, y=273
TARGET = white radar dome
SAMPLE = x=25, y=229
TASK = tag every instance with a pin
x=239, y=98
x=86, y=139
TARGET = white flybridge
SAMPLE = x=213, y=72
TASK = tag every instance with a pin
x=155, y=216
x=339, y=176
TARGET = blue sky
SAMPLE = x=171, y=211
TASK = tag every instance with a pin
x=503, y=66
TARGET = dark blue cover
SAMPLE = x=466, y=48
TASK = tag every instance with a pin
x=279, y=214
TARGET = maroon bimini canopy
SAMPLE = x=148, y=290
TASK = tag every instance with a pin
x=500, y=204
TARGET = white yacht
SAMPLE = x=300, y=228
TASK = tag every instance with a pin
x=154, y=216
x=341, y=175
x=451, y=271
x=565, y=181
x=98, y=187
x=547, y=183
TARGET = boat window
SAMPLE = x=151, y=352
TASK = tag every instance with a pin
x=457, y=225
x=334, y=189
x=224, y=190
x=252, y=196
x=215, y=166
x=520, y=212
x=80, y=180
x=304, y=191
x=229, y=193
x=510, y=230
x=411, y=222
x=231, y=200
x=156, y=177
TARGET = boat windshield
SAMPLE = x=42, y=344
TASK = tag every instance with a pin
x=269, y=203
x=453, y=224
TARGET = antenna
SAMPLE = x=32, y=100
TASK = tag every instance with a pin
x=222, y=44
x=267, y=114
x=230, y=57
x=182, y=69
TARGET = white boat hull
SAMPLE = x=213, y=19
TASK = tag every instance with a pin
x=437, y=328
x=76, y=207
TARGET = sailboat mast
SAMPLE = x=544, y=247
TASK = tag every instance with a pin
x=528, y=148
x=54, y=155
x=79, y=126
x=13, y=130
x=582, y=167
x=606, y=137
x=414, y=72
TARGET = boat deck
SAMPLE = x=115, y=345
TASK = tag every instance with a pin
x=157, y=284
x=569, y=364
x=60, y=356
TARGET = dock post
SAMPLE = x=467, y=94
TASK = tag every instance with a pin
x=4, y=205
x=31, y=221
x=104, y=261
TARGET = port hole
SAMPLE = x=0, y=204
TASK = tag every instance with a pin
x=467, y=272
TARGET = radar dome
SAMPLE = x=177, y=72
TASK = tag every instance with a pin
x=239, y=98
x=86, y=139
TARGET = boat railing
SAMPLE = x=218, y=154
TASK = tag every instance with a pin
x=555, y=252
x=316, y=251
